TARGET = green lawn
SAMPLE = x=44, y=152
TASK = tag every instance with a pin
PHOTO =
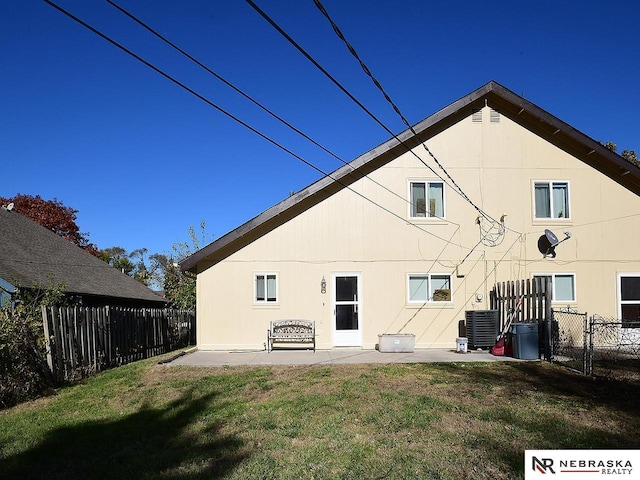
x=449, y=421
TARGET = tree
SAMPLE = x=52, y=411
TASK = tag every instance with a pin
x=153, y=274
x=179, y=286
x=118, y=258
x=53, y=215
x=628, y=155
x=149, y=272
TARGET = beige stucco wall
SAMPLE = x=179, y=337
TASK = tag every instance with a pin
x=496, y=165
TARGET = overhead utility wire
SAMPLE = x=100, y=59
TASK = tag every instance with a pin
x=486, y=236
x=375, y=81
x=251, y=99
x=350, y=95
x=387, y=97
x=335, y=82
x=231, y=116
x=367, y=71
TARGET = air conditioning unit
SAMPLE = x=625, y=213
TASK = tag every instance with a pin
x=483, y=327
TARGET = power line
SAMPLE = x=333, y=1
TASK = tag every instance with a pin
x=375, y=81
x=335, y=82
x=233, y=117
x=254, y=101
x=357, y=102
x=486, y=238
x=456, y=188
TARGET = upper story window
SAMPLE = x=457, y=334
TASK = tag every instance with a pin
x=425, y=287
x=266, y=288
x=551, y=199
x=427, y=199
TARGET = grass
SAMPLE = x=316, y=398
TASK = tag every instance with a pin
x=439, y=421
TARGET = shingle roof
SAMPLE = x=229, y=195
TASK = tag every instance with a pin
x=492, y=94
x=30, y=253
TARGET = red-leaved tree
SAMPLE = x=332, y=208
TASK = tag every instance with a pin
x=54, y=215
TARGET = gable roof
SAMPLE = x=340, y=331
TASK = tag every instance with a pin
x=494, y=95
x=30, y=253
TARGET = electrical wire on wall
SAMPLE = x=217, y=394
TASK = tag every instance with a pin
x=491, y=235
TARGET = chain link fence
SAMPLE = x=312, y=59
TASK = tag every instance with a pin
x=613, y=348
x=596, y=346
x=569, y=339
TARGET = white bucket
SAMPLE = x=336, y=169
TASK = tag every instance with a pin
x=461, y=344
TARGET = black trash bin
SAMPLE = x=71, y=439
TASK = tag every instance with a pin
x=525, y=340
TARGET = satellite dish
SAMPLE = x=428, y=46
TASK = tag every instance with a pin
x=10, y=206
x=553, y=240
x=548, y=242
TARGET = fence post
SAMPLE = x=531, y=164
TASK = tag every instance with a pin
x=47, y=340
x=145, y=332
x=547, y=320
x=591, y=346
x=165, y=326
x=584, y=344
x=192, y=328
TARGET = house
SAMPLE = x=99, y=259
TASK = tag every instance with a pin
x=393, y=243
x=30, y=254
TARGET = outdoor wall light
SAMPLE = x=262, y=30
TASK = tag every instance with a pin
x=323, y=285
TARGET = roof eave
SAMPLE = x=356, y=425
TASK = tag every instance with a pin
x=492, y=94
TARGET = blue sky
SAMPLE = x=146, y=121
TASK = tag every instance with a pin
x=142, y=160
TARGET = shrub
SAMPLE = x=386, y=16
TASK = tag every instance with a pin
x=24, y=373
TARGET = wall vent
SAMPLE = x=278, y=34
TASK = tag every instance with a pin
x=494, y=117
x=477, y=116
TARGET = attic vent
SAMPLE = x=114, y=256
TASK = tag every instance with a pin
x=494, y=117
x=477, y=116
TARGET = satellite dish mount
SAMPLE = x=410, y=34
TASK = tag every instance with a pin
x=548, y=242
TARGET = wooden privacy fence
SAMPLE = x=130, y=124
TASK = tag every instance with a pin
x=525, y=301
x=83, y=340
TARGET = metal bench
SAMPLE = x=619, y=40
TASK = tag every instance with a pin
x=292, y=332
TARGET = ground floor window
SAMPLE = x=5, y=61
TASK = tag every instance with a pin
x=563, y=286
x=629, y=298
x=265, y=288
x=427, y=287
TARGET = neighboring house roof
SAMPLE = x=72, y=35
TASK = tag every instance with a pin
x=494, y=95
x=30, y=253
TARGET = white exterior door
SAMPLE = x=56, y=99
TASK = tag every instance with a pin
x=347, y=310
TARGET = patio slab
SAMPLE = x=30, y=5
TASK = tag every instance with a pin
x=329, y=357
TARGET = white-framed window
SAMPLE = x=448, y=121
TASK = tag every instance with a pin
x=551, y=199
x=563, y=286
x=428, y=287
x=426, y=199
x=265, y=288
x=629, y=299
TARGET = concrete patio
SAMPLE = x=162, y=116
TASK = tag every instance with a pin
x=329, y=357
